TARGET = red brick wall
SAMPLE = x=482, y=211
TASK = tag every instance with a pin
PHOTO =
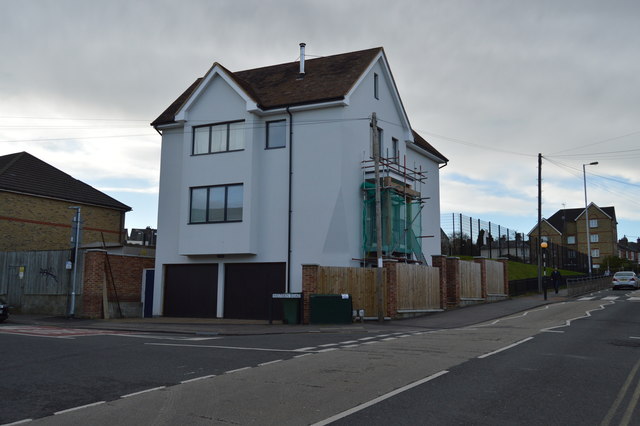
x=122, y=275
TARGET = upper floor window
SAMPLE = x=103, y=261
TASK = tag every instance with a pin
x=594, y=238
x=220, y=137
x=595, y=253
x=571, y=239
x=396, y=150
x=593, y=223
x=210, y=204
x=276, y=134
x=376, y=88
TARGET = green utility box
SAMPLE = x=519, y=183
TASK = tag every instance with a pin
x=291, y=306
x=330, y=309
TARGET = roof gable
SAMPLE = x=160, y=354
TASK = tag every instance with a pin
x=26, y=174
x=326, y=79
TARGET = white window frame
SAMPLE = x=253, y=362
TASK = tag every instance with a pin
x=594, y=238
x=593, y=223
x=595, y=252
x=571, y=239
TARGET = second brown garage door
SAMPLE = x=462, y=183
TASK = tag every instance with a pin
x=248, y=288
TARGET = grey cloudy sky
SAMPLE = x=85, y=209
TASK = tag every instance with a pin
x=489, y=83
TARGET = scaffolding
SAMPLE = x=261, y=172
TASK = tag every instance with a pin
x=401, y=207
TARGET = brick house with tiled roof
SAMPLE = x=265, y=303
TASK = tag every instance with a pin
x=264, y=170
x=567, y=227
x=35, y=201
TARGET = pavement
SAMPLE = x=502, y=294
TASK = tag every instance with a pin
x=454, y=318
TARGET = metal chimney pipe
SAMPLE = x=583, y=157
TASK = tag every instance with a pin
x=302, y=46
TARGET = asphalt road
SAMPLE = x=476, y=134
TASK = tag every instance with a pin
x=544, y=366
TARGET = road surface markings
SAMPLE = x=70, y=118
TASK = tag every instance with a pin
x=623, y=391
x=269, y=362
x=179, y=338
x=524, y=314
x=308, y=348
x=568, y=322
x=240, y=348
x=19, y=422
x=142, y=392
x=379, y=399
x=611, y=298
x=237, y=369
x=505, y=348
x=583, y=299
x=198, y=378
x=68, y=410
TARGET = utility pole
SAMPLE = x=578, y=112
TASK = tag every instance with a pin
x=538, y=243
x=76, y=243
x=376, y=166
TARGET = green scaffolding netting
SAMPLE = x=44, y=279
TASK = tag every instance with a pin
x=401, y=223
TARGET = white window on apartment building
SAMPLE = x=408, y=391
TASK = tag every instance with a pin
x=571, y=239
x=594, y=238
x=595, y=253
x=593, y=223
x=276, y=134
x=212, y=204
x=221, y=137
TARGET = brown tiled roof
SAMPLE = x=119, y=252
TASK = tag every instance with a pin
x=422, y=143
x=562, y=216
x=326, y=79
x=24, y=173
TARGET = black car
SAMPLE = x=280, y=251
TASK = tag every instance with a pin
x=4, y=310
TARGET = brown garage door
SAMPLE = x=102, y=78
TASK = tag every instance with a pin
x=248, y=288
x=191, y=290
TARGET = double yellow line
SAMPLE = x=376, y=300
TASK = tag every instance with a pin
x=633, y=402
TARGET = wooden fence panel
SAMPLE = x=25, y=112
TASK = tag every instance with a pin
x=360, y=283
x=470, y=280
x=495, y=277
x=45, y=272
x=418, y=287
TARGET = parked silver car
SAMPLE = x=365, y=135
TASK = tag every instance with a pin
x=625, y=279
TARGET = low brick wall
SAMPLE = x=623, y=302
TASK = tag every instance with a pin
x=116, y=278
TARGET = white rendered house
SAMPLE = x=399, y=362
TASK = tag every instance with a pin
x=267, y=169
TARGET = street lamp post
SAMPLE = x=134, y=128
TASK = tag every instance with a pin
x=586, y=211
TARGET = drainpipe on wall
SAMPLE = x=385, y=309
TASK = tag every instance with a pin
x=288, y=284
